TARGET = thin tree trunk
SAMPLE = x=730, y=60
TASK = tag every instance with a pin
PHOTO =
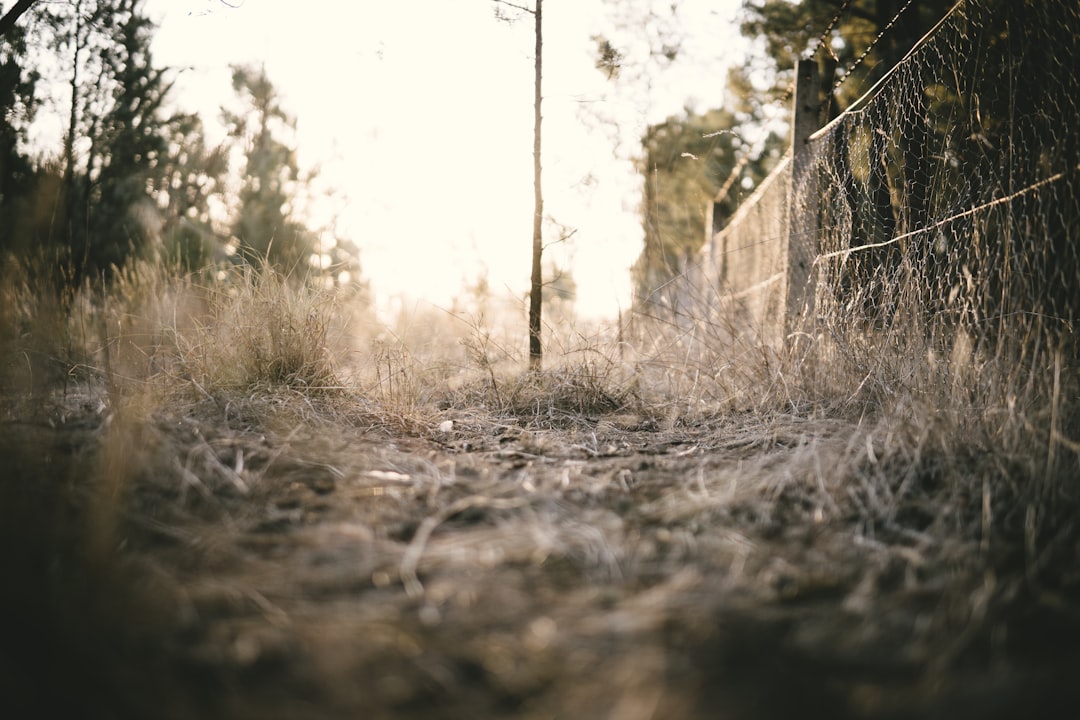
x=76, y=239
x=536, y=351
x=8, y=21
x=73, y=116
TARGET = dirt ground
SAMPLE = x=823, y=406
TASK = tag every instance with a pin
x=218, y=560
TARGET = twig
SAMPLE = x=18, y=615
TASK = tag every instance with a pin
x=522, y=8
x=411, y=559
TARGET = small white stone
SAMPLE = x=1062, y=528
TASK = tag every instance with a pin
x=446, y=426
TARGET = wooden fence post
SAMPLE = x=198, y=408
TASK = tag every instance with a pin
x=803, y=208
x=713, y=225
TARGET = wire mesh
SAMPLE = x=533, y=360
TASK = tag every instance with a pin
x=736, y=283
x=948, y=200
x=750, y=260
x=942, y=207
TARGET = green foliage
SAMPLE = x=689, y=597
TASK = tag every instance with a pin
x=92, y=208
x=123, y=216
x=642, y=38
x=685, y=160
x=609, y=59
x=192, y=173
x=688, y=157
x=889, y=28
x=134, y=178
x=264, y=226
x=84, y=33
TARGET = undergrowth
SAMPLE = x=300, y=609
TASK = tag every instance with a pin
x=250, y=332
x=261, y=332
x=678, y=458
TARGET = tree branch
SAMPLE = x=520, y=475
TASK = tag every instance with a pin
x=515, y=6
x=8, y=21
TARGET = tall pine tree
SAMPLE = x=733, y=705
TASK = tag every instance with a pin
x=132, y=144
x=18, y=105
x=264, y=226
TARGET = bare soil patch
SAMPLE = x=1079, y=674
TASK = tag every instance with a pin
x=223, y=560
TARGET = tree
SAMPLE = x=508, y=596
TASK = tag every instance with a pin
x=18, y=105
x=192, y=173
x=643, y=38
x=99, y=50
x=7, y=22
x=854, y=41
x=264, y=227
x=536, y=283
x=686, y=159
x=639, y=42
x=681, y=160
x=128, y=175
x=83, y=33
x=130, y=146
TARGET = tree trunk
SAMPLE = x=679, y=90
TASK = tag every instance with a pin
x=73, y=115
x=536, y=351
x=8, y=21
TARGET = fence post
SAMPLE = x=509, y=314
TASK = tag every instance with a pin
x=713, y=225
x=803, y=208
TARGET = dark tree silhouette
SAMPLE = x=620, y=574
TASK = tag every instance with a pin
x=12, y=16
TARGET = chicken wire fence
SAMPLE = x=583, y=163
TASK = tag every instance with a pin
x=940, y=209
x=945, y=206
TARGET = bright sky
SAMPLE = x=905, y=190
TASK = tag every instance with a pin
x=418, y=113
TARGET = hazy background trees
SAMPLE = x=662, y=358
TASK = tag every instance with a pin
x=686, y=159
x=263, y=223
x=135, y=176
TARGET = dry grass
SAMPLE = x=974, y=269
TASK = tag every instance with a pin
x=261, y=333
x=263, y=512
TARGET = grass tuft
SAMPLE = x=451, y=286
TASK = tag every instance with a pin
x=261, y=333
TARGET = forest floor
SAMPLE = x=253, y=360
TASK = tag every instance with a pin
x=294, y=558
